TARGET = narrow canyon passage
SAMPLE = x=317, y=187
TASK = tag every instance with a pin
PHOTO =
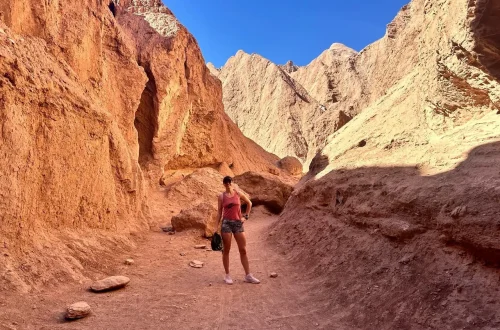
x=165, y=293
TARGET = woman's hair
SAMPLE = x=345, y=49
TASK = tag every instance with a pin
x=227, y=179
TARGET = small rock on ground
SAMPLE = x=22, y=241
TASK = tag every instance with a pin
x=196, y=264
x=273, y=275
x=182, y=254
x=110, y=283
x=200, y=246
x=168, y=229
x=77, y=310
x=129, y=262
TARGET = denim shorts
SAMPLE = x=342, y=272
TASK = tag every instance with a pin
x=232, y=226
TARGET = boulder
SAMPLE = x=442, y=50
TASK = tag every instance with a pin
x=77, y=310
x=191, y=197
x=290, y=164
x=265, y=189
x=110, y=283
x=202, y=216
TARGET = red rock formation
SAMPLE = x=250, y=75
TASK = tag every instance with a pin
x=266, y=189
x=402, y=200
x=68, y=142
x=81, y=103
x=181, y=121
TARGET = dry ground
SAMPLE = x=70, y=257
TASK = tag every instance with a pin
x=165, y=293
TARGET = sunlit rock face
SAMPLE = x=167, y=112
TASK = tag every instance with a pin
x=92, y=113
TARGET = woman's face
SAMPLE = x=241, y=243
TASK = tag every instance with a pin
x=227, y=184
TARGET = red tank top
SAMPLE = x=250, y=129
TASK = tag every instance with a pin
x=231, y=206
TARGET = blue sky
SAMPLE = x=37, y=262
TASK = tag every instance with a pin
x=282, y=30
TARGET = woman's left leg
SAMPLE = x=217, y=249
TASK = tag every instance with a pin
x=242, y=247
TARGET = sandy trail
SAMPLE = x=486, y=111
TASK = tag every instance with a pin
x=165, y=293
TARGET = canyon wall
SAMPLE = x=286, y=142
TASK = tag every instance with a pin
x=90, y=92
x=397, y=216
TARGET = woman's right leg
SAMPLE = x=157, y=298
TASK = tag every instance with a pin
x=226, y=240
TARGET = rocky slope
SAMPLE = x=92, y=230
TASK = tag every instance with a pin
x=260, y=93
x=90, y=92
x=320, y=98
x=399, y=209
x=312, y=102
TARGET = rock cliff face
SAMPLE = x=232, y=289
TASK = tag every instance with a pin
x=180, y=120
x=257, y=93
x=312, y=102
x=406, y=193
x=89, y=91
x=323, y=96
x=69, y=147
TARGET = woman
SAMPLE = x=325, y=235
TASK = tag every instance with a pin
x=232, y=223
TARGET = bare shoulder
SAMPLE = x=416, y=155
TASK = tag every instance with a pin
x=242, y=194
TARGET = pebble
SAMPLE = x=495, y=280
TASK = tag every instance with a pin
x=171, y=232
x=196, y=264
x=200, y=246
x=77, y=310
x=273, y=275
x=182, y=254
x=129, y=262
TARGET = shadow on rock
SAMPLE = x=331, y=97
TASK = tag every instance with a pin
x=394, y=248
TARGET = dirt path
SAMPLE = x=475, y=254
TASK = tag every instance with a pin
x=165, y=293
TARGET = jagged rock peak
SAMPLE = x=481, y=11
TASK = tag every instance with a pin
x=213, y=70
x=289, y=67
x=143, y=6
x=241, y=53
x=399, y=22
x=159, y=17
x=338, y=47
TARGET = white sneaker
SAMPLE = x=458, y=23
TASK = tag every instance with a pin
x=228, y=279
x=250, y=279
